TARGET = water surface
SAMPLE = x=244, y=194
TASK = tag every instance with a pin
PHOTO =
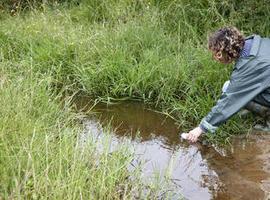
x=199, y=171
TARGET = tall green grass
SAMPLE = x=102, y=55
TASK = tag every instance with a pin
x=154, y=51
x=42, y=155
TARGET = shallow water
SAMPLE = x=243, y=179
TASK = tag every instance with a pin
x=199, y=171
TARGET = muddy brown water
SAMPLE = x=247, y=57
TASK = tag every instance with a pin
x=199, y=171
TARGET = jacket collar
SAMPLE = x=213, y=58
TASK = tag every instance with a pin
x=255, y=44
x=253, y=51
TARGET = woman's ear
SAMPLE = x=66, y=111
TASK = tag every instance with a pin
x=218, y=55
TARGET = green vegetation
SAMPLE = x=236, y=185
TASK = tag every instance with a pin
x=43, y=156
x=153, y=51
x=147, y=50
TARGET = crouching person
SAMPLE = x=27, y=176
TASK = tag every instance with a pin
x=249, y=85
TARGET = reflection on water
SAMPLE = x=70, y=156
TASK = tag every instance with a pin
x=200, y=172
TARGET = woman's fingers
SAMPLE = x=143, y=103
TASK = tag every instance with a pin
x=194, y=134
x=192, y=138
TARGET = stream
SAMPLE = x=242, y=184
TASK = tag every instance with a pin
x=200, y=172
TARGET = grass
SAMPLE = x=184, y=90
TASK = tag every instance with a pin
x=137, y=58
x=41, y=152
x=152, y=51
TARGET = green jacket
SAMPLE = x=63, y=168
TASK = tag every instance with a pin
x=249, y=80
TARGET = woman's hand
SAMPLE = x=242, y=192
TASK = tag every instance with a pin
x=194, y=134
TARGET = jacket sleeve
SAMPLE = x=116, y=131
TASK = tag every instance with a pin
x=240, y=91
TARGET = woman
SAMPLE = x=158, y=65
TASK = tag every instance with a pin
x=249, y=85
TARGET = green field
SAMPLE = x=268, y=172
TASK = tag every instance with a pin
x=147, y=50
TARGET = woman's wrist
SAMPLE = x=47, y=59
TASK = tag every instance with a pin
x=203, y=129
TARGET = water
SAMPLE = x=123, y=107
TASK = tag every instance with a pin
x=198, y=171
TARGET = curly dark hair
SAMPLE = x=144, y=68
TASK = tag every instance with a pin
x=227, y=41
